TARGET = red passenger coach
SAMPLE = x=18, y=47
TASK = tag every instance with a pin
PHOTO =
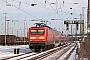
x=64, y=39
x=42, y=37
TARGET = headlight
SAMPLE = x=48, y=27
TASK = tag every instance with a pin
x=41, y=37
x=30, y=40
x=43, y=40
x=32, y=37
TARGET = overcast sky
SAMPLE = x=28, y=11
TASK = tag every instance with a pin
x=44, y=10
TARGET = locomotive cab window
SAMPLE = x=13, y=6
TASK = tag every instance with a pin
x=33, y=31
x=37, y=31
x=41, y=31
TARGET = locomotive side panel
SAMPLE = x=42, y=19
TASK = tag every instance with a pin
x=50, y=36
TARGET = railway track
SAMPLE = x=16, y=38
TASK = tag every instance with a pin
x=64, y=53
x=42, y=55
x=61, y=51
x=19, y=56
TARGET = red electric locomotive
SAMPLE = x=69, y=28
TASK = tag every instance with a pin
x=42, y=37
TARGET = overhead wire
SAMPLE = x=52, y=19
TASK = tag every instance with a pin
x=42, y=6
x=64, y=10
x=64, y=6
x=1, y=16
x=23, y=10
x=61, y=8
x=2, y=13
x=54, y=10
x=38, y=6
x=60, y=5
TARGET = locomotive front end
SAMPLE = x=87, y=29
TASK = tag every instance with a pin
x=37, y=38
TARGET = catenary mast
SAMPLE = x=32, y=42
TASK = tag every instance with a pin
x=88, y=21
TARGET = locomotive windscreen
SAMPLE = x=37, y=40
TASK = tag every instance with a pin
x=37, y=31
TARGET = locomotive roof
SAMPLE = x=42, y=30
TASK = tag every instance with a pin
x=39, y=25
x=43, y=26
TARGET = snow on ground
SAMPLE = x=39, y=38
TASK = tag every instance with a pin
x=74, y=56
x=6, y=51
x=56, y=55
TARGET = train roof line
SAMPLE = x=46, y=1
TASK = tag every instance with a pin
x=42, y=25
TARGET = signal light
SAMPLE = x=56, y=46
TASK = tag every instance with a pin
x=66, y=25
x=66, y=22
x=62, y=31
x=66, y=28
x=77, y=25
